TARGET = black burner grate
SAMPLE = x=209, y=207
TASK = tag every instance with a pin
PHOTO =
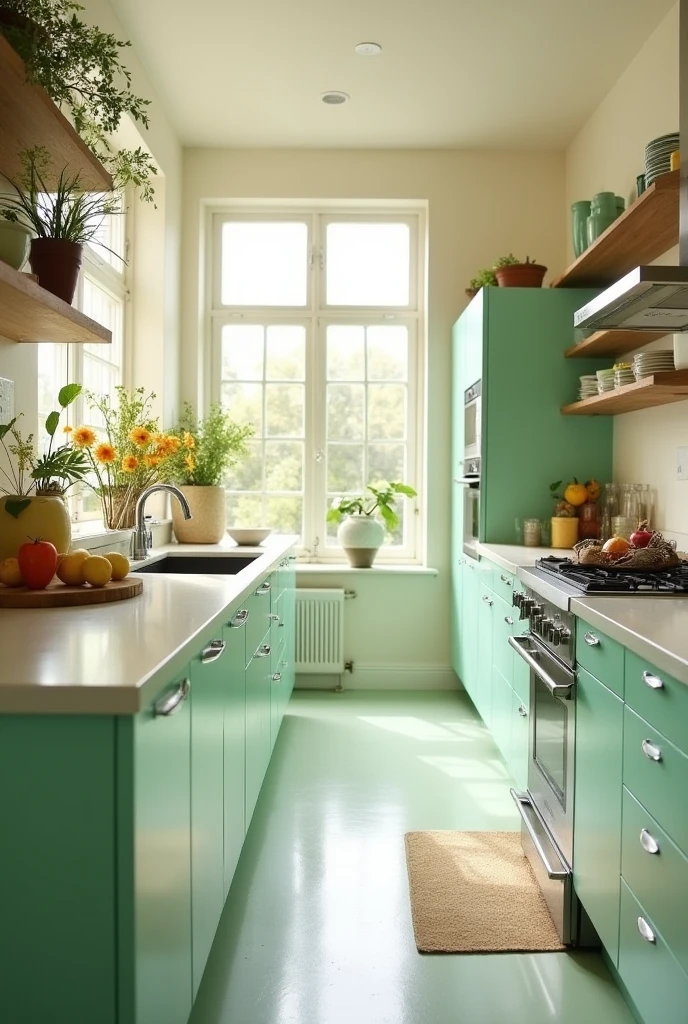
x=590, y=579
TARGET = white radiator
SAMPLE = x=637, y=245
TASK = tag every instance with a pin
x=319, y=631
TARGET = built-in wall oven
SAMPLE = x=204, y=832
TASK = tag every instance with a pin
x=470, y=468
x=472, y=423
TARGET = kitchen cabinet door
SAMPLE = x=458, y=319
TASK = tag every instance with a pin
x=209, y=672
x=468, y=638
x=257, y=723
x=154, y=862
x=520, y=736
x=483, y=689
x=458, y=573
x=234, y=743
x=597, y=806
x=500, y=714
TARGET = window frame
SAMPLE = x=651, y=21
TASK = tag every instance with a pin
x=318, y=315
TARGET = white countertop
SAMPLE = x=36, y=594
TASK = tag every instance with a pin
x=655, y=628
x=511, y=556
x=113, y=658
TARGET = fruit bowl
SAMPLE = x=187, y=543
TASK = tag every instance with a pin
x=249, y=536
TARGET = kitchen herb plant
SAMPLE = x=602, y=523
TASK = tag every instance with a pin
x=208, y=447
x=382, y=496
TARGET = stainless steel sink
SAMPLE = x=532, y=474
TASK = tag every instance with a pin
x=215, y=565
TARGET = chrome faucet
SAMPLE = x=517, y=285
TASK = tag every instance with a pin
x=141, y=538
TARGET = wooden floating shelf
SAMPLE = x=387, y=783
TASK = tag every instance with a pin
x=28, y=117
x=659, y=389
x=30, y=313
x=611, y=343
x=642, y=233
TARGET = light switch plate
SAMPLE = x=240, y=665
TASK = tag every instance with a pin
x=6, y=400
x=682, y=463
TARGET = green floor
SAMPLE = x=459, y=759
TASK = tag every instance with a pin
x=317, y=928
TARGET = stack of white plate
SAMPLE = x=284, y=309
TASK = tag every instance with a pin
x=605, y=380
x=588, y=386
x=658, y=156
x=647, y=363
x=623, y=374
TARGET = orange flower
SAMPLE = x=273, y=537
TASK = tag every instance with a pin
x=105, y=453
x=140, y=436
x=129, y=463
x=190, y=463
x=84, y=437
x=167, y=445
x=189, y=441
x=67, y=429
x=151, y=460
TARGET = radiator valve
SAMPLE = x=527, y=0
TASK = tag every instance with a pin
x=348, y=666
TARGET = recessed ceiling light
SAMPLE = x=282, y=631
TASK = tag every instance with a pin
x=367, y=49
x=334, y=97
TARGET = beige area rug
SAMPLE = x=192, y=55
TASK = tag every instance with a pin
x=475, y=892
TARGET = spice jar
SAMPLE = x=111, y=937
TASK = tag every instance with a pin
x=531, y=533
x=589, y=521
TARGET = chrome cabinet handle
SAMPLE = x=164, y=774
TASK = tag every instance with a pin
x=648, y=842
x=653, y=681
x=263, y=651
x=646, y=931
x=214, y=650
x=487, y=600
x=240, y=618
x=651, y=750
x=522, y=710
x=274, y=618
x=509, y=621
x=263, y=589
x=505, y=579
x=172, y=703
x=591, y=640
x=276, y=676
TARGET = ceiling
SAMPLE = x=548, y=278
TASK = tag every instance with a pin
x=452, y=73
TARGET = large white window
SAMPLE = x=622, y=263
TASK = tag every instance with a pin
x=102, y=295
x=316, y=326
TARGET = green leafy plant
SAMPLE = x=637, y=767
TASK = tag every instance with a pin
x=483, y=279
x=208, y=447
x=50, y=473
x=511, y=261
x=64, y=210
x=80, y=68
x=382, y=496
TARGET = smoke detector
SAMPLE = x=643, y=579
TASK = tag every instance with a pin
x=367, y=49
x=334, y=97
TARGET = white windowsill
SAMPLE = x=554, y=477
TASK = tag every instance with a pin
x=332, y=569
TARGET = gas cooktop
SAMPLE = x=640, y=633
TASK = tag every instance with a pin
x=592, y=579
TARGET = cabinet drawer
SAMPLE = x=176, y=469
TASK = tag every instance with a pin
x=486, y=573
x=660, y=785
x=505, y=625
x=258, y=622
x=657, y=872
x=503, y=583
x=603, y=657
x=659, y=698
x=652, y=976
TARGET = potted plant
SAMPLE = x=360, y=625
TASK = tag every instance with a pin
x=80, y=68
x=206, y=449
x=34, y=485
x=15, y=239
x=483, y=279
x=360, y=533
x=63, y=218
x=513, y=273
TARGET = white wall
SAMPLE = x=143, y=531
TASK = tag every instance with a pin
x=481, y=205
x=607, y=154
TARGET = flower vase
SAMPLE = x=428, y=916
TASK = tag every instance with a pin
x=43, y=516
x=361, y=537
x=119, y=507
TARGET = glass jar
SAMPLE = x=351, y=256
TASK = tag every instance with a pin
x=589, y=521
x=531, y=533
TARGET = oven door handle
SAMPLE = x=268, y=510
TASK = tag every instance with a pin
x=522, y=801
x=519, y=644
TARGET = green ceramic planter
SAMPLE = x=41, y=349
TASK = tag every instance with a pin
x=15, y=240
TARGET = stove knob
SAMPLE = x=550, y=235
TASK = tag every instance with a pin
x=536, y=619
x=526, y=604
x=536, y=610
x=547, y=629
x=517, y=598
x=560, y=635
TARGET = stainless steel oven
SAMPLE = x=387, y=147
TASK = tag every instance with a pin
x=472, y=405
x=471, y=506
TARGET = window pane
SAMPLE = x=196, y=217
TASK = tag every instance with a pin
x=264, y=264
x=52, y=374
x=242, y=352
x=387, y=462
x=245, y=510
x=283, y=465
x=345, y=353
x=368, y=264
x=386, y=411
x=284, y=410
x=387, y=353
x=247, y=475
x=285, y=515
x=109, y=240
x=345, y=412
x=286, y=353
x=344, y=468
x=244, y=403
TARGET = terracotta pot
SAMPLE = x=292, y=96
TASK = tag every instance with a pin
x=361, y=537
x=14, y=243
x=45, y=516
x=208, y=510
x=521, y=275
x=57, y=264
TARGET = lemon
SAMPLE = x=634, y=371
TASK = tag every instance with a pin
x=119, y=563
x=9, y=573
x=96, y=570
x=70, y=565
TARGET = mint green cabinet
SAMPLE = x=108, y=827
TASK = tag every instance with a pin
x=500, y=714
x=597, y=806
x=469, y=627
x=520, y=734
x=234, y=743
x=483, y=687
x=658, y=698
x=656, y=773
x=601, y=656
x=258, y=713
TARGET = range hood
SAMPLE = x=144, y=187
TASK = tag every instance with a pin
x=653, y=298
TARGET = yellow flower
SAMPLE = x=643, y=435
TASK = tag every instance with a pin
x=151, y=460
x=67, y=429
x=190, y=463
x=105, y=453
x=167, y=445
x=129, y=463
x=84, y=437
x=189, y=440
x=140, y=436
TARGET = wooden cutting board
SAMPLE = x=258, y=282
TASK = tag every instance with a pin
x=58, y=595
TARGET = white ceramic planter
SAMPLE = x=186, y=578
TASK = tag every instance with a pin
x=361, y=537
x=15, y=240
